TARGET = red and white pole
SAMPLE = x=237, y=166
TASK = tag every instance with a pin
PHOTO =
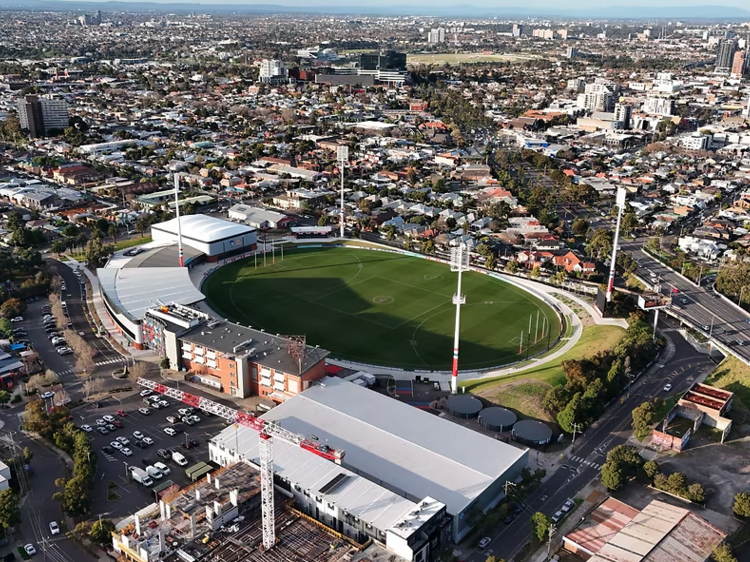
x=458, y=300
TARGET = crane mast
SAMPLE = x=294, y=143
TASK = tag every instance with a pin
x=267, y=431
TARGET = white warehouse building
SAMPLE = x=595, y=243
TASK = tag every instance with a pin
x=214, y=237
x=393, y=453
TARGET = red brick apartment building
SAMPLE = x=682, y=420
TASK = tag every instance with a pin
x=244, y=362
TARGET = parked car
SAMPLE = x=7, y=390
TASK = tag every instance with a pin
x=164, y=453
x=123, y=440
x=171, y=419
x=64, y=350
x=107, y=449
x=54, y=528
x=102, y=430
x=667, y=387
x=87, y=428
x=148, y=441
x=170, y=431
x=121, y=413
x=30, y=550
x=17, y=319
x=138, y=435
x=146, y=392
x=116, y=445
x=483, y=543
x=144, y=411
x=117, y=423
x=108, y=418
x=46, y=395
x=567, y=506
x=125, y=451
x=163, y=468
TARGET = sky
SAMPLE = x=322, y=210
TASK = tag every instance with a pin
x=530, y=4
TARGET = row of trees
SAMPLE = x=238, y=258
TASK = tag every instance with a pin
x=591, y=383
x=75, y=493
x=645, y=414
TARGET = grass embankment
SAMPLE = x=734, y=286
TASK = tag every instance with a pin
x=733, y=375
x=523, y=392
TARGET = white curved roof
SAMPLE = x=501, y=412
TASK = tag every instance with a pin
x=204, y=228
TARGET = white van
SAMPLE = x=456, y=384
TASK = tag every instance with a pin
x=179, y=458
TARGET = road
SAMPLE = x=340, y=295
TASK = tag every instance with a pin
x=39, y=509
x=584, y=462
x=75, y=297
x=731, y=326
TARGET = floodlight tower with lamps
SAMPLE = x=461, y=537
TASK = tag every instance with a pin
x=459, y=264
x=342, y=153
x=177, y=214
x=620, y=203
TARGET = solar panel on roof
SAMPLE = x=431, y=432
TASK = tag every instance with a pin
x=334, y=483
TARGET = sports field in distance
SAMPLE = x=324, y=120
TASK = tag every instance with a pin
x=466, y=58
x=382, y=308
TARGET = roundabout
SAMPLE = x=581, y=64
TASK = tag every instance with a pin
x=384, y=308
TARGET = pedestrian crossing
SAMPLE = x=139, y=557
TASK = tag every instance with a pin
x=581, y=460
x=115, y=361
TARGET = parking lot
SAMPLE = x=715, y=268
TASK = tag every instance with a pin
x=115, y=493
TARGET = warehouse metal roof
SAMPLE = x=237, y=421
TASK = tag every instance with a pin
x=204, y=228
x=350, y=492
x=406, y=449
x=662, y=533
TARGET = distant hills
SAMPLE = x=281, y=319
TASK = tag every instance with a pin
x=706, y=13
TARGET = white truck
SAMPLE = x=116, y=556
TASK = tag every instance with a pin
x=140, y=475
x=179, y=458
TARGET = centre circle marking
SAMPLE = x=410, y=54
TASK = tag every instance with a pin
x=383, y=300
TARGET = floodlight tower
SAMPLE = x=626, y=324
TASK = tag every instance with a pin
x=177, y=214
x=342, y=153
x=620, y=203
x=459, y=263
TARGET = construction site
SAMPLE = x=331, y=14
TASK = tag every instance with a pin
x=219, y=519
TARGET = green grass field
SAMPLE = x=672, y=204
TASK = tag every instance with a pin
x=466, y=58
x=381, y=308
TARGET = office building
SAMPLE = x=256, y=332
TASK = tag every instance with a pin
x=38, y=115
x=623, y=113
x=576, y=84
x=738, y=64
x=725, y=55
x=596, y=101
x=383, y=66
x=571, y=53
x=543, y=33
x=517, y=30
x=435, y=36
x=658, y=106
x=272, y=71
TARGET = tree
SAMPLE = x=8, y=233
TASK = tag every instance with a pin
x=723, y=553
x=97, y=253
x=491, y=262
x=677, y=483
x=13, y=307
x=59, y=246
x=113, y=231
x=651, y=469
x=4, y=397
x=629, y=222
x=643, y=416
x=612, y=477
x=10, y=513
x=101, y=531
x=741, y=507
x=580, y=226
x=542, y=523
x=696, y=493
x=164, y=364
x=28, y=454
x=512, y=266
x=323, y=220
x=567, y=417
x=6, y=327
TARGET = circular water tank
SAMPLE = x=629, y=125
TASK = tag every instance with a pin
x=532, y=432
x=497, y=418
x=463, y=405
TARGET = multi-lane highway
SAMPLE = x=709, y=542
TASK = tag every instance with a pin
x=679, y=365
x=700, y=306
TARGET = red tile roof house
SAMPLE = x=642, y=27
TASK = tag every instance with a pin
x=572, y=263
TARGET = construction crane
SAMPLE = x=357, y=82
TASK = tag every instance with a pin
x=267, y=431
